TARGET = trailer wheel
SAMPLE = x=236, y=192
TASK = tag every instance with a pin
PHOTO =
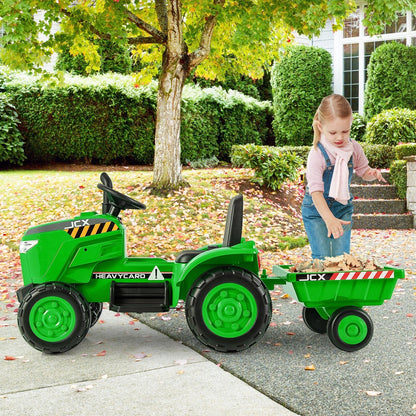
x=313, y=320
x=228, y=309
x=350, y=329
x=96, y=308
x=53, y=318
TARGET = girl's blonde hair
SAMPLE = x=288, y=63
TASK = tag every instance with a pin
x=331, y=107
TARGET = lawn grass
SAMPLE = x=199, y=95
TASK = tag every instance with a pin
x=187, y=219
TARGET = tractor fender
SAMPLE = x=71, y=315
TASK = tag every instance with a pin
x=242, y=256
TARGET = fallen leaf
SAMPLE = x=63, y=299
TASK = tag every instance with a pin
x=343, y=362
x=100, y=354
x=9, y=358
x=310, y=368
x=140, y=356
x=372, y=393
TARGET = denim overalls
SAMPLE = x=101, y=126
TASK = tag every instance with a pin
x=315, y=227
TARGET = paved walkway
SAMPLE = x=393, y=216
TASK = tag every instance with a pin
x=305, y=372
x=122, y=368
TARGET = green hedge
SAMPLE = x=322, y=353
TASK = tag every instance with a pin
x=379, y=156
x=104, y=119
x=405, y=149
x=391, y=79
x=300, y=80
x=86, y=121
x=398, y=175
x=11, y=141
x=392, y=127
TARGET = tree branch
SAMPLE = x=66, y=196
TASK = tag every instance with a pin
x=204, y=47
x=155, y=35
x=162, y=14
x=141, y=24
x=91, y=27
x=140, y=40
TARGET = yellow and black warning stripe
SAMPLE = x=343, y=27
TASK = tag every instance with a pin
x=87, y=230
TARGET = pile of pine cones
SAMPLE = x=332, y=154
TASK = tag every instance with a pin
x=346, y=262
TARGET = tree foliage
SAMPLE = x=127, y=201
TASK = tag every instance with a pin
x=172, y=37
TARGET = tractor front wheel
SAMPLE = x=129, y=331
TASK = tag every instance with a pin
x=53, y=318
x=228, y=309
x=350, y=329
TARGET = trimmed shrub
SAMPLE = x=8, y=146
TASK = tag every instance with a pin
x=391, y=79
x=104, y=119
x=221, y=119
x=392, y=127
x=398, y=175
x=358, y=127
x=100, y=120
x=272, y=167
x=379, y=156
x=300, y=80
x=405, y=149
x=11, y=143
x=200, y=126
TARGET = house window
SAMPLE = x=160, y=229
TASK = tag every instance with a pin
x=351, y=75
x=357, y=47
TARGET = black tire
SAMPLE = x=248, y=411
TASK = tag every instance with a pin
x=96, y=308
x=53, y=318
x=228, y=309
x=313, y=320
x=350, y=329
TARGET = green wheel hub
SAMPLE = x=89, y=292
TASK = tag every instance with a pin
x=229, y=310
x=52, y=319
x=352, y=330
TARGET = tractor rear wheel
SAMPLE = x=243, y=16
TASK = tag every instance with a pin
x=228, y=309
x=53, y=318
x=96, y=308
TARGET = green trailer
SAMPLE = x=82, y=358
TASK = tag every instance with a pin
x=71, y=267
x=333, y=301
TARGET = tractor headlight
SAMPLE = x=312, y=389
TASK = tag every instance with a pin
x=25, y=246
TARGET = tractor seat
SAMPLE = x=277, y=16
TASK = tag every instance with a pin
x=232, y=233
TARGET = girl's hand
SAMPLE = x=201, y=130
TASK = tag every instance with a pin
x=335, y=227
x=374, y=174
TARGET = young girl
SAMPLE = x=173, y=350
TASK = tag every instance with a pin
x=327, y=206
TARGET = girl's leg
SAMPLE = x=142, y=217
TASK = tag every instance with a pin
x=318, y=237
x=342, y=245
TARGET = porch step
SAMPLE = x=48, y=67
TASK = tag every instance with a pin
x=374, y=191
x=383, y=221
x=385, y=206
x=377, y=206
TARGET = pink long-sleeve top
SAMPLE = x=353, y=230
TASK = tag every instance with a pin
x=316, y=166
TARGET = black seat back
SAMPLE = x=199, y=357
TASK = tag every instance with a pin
x=234, y=223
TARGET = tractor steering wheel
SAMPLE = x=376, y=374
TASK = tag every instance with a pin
x=119, y=201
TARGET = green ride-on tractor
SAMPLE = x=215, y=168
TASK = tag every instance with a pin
x=71, y=267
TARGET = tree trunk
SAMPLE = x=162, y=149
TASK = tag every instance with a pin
x=167, y=171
